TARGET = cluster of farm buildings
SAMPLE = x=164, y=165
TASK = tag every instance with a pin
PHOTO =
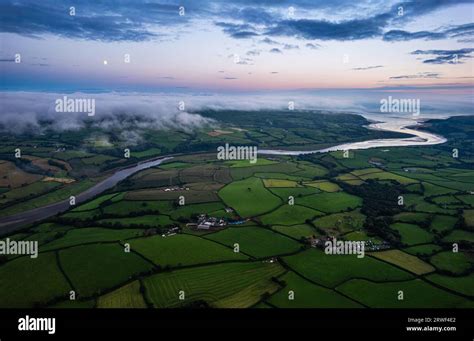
x=320, y=242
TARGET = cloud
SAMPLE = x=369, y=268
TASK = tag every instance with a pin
x=399, y=35
x=253, y=15
x=238, y=31
x=445, y=56
x=419, y=75
x=275, y=50
x=130, y=20
x=290, y=47
x=368, y=19
x=451, y=32
x=131, y=113
x=253, y=53
x=313, y=46
x=230, y=78
x=367, y=67
x=93, y=20
x=34, y=112
x=267, y=40
x=327, y=30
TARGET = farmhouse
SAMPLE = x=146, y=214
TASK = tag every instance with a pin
x=206, y=223
x=171, y=231
x=204, y=226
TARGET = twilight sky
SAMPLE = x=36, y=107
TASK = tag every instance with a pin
x=238, y=45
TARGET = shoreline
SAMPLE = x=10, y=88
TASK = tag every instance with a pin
x=418, y=138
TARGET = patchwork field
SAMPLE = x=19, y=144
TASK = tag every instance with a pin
x=180, y=250
x=235, y=285
x=416, y=294
x=330, y=202
x=320, y=268
x=308, y=295
x=409, y=246
x=128, y=296
x=290, y=215
x=256, y=241
x=249, y=197
x=404, y=260
x=93, y=268
x=27, y=282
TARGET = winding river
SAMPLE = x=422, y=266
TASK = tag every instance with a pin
x=15, y=222
x=419, y=138
x=12, y=223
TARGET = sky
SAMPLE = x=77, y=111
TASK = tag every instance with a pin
x=238, y=46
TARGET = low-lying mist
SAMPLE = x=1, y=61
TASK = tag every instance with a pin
x=129, y=113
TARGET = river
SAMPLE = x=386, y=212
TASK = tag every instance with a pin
x=12, y=223
x=15, y=222
x=419, y=138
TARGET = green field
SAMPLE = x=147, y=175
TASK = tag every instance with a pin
x=308, y=295
x=412, y=217
x=93, y=268
x=145, y=221
x=128, y=296
x=423, y=250
x=73, y=304
x=412, y=234
x=187, y=210
x=62, y=193
x=249, y=197
x=181, y=249
x=295, y=192
x=404, y=260
x=459, y=235
x=235, y=285
x=409, y=247
x=290, y=215
x=339, y=223
x=468, y=216
x=442, y=223
x=416, y=294
x=331, y=270
x=330, y=202
x=453, y=262
x=91, y=205
x=323, y=185
x=296, y=231
x=127, y=207
x=26, y=282
x=464, y=284
x=256, y=241
x=91, y=235
x=279, y=183
x=247, y=163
